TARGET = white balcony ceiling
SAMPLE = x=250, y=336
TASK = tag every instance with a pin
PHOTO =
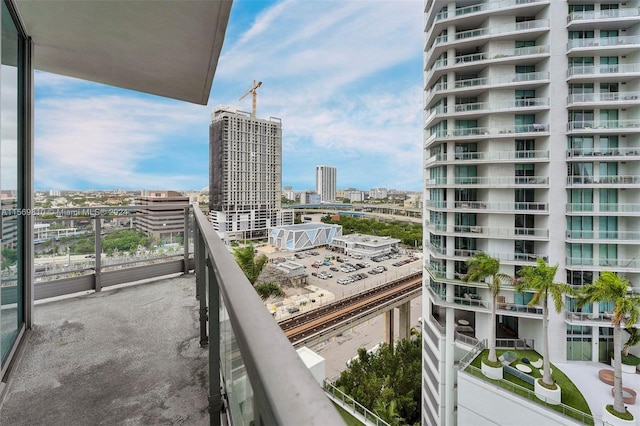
x=168, y=48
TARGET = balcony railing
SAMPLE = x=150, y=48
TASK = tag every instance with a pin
x=603, y=97
x=506, y=206
x=493, y=106
x=494, y=156
x=491, y=81
x=603, y=180
x=605, y=263
x=484, y=7
x=485, y=56
x=603, y=14
x=603, y=208
x=602, y=69
x=603, y=235
x=262, y=378
x=591, y=125
x=598, y=152
x=603, y=42
x=494, y=30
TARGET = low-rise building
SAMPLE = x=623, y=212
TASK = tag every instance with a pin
x=304, y=236
x=366, y=246
x=166, y=220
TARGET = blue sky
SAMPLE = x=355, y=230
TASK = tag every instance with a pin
x=345, y=77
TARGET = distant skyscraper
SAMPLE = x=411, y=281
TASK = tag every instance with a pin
x=245, y=172
x=326, y=180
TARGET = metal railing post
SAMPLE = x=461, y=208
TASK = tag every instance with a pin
x=215, y=395
x=185, y=240
x=97, y=284
x=201, y=281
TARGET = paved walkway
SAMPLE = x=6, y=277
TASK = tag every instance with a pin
x=598, y=394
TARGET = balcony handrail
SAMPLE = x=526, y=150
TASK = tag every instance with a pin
x=284, y=391
x=511, y=78
x=483, y=106
x=603, y=97
x=603, y=180
x=602, y=41
x=603, y=124
x=493, y=30
x=603, y=14
x=348, y=403
x=482, y=8
x=604, y=235
x=602, y=69
x=604, y=207
x=598, y=151
x=607, y=263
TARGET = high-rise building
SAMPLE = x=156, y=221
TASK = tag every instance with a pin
x=532, y=150
x=326, y=182
x=245, y=174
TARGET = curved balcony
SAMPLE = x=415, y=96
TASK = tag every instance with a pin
x=478, y=85
x=619, y=236
x=603, y=180
x=590, y=71
x=477, y=133
x=604, y=126
x=493, y=232
x=481, y=108
x=612, y=154
x=605, y=209
x=485, y=8
x=492, y=157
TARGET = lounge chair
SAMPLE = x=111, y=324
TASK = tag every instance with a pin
x=538, y=363
x=507, y=357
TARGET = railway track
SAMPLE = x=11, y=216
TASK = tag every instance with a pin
x=314, y=322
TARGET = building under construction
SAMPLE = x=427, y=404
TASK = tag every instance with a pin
x=245, y=172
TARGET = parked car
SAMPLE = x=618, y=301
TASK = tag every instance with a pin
x=334, y=269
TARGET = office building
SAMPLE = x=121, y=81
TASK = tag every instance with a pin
x=532, y=150
x=245, y=175
x=326, y=181
x=164, y=219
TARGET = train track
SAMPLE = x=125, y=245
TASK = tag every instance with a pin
x=341, y=311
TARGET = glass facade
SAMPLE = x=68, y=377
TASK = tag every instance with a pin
x=12, y=299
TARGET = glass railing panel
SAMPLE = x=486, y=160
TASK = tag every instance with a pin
x=603, y=42
x=603, y=14
x=603, y=124
x=603, y=97
x=602, y=69
x=448, y=14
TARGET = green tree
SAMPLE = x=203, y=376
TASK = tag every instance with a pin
x=483, y=267
x=609, y=287
x=539, y=279
x=250, y=264
x=632, y=340
x=265, y=290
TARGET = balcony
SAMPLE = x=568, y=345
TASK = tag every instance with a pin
x=614, y=98
x=485, y=7
x=615, y=265
x=619, y=236
x=481, y=108
x=162, y=352
x=490, y=182
x=604, y=126
x=492, y=157
x=493, y=232
x=478, y=133
x=604, y=209
x=615, y=72
x=603, y=44
x=504, y=207
x=603, y=180
x=624, y=153
x=608, y=15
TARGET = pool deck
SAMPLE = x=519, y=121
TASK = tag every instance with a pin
x=584, y=375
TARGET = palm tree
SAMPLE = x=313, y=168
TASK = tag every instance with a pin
x=539, y=278
x=250, y=264
x=626, y=308
x=483, y=267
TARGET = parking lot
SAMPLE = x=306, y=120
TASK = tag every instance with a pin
x=344, y=276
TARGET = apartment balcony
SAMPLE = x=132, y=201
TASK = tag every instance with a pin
x=492, y=232
x=470, y=38
x=480, y=109
x=601, y=209
x=609, y=181
x=611, y=154
x=482, y=133
x=475, y=86
x=604, y=126
x=468, y=301
x=619, y=99
x=489, y=182
x=190, y=349
x=488, y=207
x=618, y=72
x=617, y=18
x=477, y=61
x=593, y=264
x=491, y=157
x=603, y=46
x=484, y=9
x=620, y=237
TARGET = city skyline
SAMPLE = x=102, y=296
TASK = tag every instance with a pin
x=354, y=105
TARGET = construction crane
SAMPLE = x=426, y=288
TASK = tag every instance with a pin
x=253, y=91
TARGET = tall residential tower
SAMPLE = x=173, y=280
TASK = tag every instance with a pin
x=245, y=175
x=326, y=182
x=532, y=150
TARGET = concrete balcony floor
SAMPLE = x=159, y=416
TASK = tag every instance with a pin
x=125, y=356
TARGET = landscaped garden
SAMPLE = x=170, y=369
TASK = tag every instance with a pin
x=571, y=395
